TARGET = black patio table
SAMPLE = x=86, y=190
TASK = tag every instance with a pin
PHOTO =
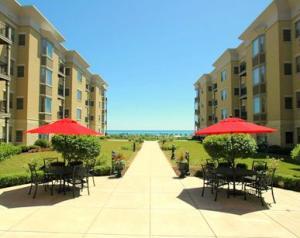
x=60, y=172
x=234, y=175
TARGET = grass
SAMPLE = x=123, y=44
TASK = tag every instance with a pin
x=198, y=156
x=18, y=164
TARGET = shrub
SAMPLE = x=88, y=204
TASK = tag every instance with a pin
x=29, y=148
x=276, y=149
x=101, y=170
x=7, y=150
x=295, y=153
x=77, y=147
x=42, y=143
x=230, y=146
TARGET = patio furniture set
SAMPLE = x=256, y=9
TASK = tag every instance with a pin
x=256, y=180
x=70, y=176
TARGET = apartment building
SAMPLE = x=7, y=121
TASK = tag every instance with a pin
x=259, y=80
x=40, y=80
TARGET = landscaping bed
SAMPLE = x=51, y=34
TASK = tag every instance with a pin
x=14, y=170
x=287, y=175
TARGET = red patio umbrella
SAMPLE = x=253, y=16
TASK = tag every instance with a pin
x=234, y=125
x=64, y=127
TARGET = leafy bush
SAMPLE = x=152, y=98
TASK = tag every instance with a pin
x=77, y=147
x=42, y=143
x=295, y=153
x=7, y=150
x=230, y=146
x=101, y=170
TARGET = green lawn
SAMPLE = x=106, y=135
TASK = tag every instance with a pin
x=18, y=163
x=199, y=156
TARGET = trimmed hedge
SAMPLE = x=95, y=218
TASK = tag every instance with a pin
x=7, y=150
x=42, y=143
x=295, y=153
x=101, y=170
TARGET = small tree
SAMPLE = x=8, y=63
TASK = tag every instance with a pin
x=77, y=147
x=230, y=146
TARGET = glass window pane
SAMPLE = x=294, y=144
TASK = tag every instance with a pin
x=256, y=105
x=255, y=76
x=48, y=104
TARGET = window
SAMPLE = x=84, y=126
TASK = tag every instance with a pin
x=68, y=71
x=236, y=69
x=47, y=48
x=11, y=100
x=286, y=34
x=91, y=103
x=224, y=113
x=79, y=76
x=289, y=137
x=92, y=89
x=256, y=105
x=78, y=114
x=209, y=88
x=297, y=29
x=22, y=39
x=45, y=104
x=19, y=136
x=258, y=45
x=223, y=75
x=258, y=75
x=288, y=103
x=12, y=67
x=91, y=118
x=287, y=68
x=67, y=92
x=298, y=99
x=20, y=71
x=236, y=91
x=48, y=104
x=79, y=95
x=46, y=76
x=298, y=135
x=20, y=103
x=223, y=94
x=298, y=64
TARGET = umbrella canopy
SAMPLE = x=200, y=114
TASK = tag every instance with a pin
x=64, y=127
x=234, y=125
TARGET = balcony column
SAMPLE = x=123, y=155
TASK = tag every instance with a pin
x=64, y=101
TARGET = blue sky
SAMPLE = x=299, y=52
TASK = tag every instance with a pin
x=150, y=51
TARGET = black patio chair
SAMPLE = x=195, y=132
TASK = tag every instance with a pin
x=36, y=179
x=258, y=165
x=79, y=177
x=91, y=169
x=263, y=183
x=208, y=177
x=241, y=166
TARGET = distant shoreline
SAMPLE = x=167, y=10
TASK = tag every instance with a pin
x=151, y=132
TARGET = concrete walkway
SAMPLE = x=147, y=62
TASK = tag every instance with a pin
x=149, y=201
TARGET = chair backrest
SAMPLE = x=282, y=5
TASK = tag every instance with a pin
x=208, y=171
x=258, y=165
x=241, y=166
x=48, y=161
x=266, y=180
x=33, y=172
x=80, y=172
x=224, y=165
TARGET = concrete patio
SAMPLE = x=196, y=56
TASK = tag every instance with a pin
x=149, y=201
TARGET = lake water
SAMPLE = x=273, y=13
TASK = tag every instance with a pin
x=151, y=132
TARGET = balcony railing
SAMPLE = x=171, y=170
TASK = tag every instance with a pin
x=3, y=106
x=215, y=86
x=244, y=115
x=3, y=69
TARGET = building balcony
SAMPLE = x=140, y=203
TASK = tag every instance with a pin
x=60, y=115
x=60, y=91
x=3, y=110
x=243, y=91
x=5, y=34
x=215, y=87
x=4, y=72
x=61, y=69
x=243, y=68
